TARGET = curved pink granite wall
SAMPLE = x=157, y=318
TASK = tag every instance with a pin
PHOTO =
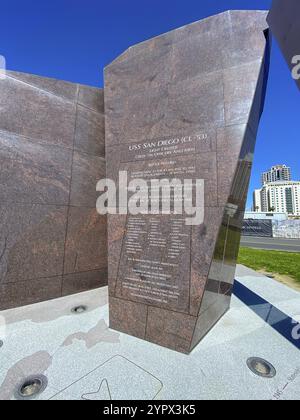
x=52, y=241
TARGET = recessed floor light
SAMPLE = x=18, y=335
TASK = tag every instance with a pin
x=261, y=367
x=79, y=309
x=31, y=387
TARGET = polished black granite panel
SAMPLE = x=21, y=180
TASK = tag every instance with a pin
x=203, y=85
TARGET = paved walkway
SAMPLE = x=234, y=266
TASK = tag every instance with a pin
x=83, y=359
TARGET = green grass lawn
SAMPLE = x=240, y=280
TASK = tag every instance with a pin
x=284, y=263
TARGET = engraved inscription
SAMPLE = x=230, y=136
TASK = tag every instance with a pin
x=154, y=266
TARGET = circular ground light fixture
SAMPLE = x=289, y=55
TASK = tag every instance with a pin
x=78, y=310
x=31, y=387
x=261, y=367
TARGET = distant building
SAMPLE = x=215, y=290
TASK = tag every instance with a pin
x=277, y=173
x=257, y=204
x=279, y=197
x=265, y=216
x=260, y=201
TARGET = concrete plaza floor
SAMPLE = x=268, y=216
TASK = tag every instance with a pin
x=84, y=360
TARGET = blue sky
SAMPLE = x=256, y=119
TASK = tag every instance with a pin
x=75, y=39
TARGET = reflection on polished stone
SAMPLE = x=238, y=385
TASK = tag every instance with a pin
x=284, y=21
x=169, y=283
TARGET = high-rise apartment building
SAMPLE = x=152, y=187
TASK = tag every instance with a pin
x=279, y=197
x=277, y=173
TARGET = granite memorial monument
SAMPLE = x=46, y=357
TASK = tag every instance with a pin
x=184, y=105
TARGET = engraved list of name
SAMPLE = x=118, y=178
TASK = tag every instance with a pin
x=155, y=260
